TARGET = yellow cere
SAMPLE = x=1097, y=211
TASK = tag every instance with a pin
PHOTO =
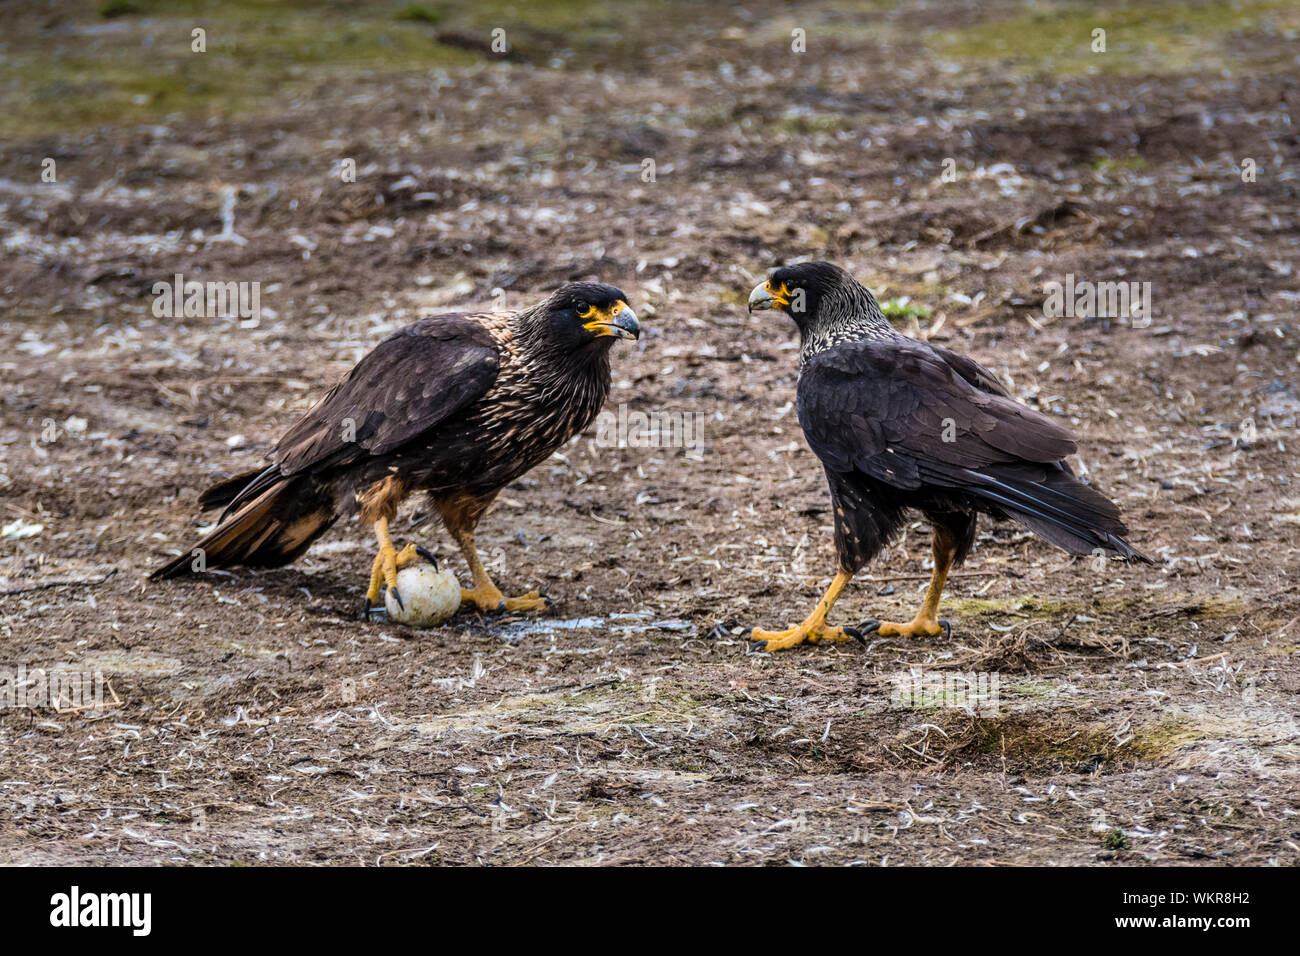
x=780, y=294
x=601, y=320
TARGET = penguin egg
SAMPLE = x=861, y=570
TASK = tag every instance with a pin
x=429, y=596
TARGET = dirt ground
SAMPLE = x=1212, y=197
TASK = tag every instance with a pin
x=1145, y=715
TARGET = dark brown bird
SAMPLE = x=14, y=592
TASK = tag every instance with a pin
x=902, y=425
x=455, y=405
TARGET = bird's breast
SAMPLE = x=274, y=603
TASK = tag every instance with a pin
x=520, y=423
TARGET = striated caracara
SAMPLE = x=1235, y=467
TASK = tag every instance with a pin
x=455, y=405
x=901, y=425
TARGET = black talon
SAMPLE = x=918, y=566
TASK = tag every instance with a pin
x=397, y=596
x=757, y=645
x=427, y=555
x=365, y=608
x=947, y=628
x=854, y=633
x=869, y=626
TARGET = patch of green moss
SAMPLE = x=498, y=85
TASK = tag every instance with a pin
x=1140, y=38
x=904, y=308
x=1221, y=607
x=1162, y=739
x=247, y=65
x=632, y=697
x=1032, y=607
x=1110, y=165
x=117, y=8
x=1034, y=688
x=258, y=53
x=1115, y=840
x=1035, y=742
x=806, y=124
x=418, y=13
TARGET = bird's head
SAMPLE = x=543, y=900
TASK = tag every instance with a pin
x=826, y=303
x=587, y=315
x=799, y=290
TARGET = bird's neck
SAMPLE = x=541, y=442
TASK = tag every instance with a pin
x=848, y=314
x=583, y=375
x=528, y=329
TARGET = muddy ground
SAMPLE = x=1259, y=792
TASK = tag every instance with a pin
x=1143, y=715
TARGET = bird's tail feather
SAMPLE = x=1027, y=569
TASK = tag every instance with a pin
x=233, y=492
x=1059, y=508
x=269, y=531
x=224, y=492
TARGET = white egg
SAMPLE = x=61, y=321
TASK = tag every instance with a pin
x=429, y=596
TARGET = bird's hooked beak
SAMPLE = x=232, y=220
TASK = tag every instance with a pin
x=768, y=296
x=618, y=320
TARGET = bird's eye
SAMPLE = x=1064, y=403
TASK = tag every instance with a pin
x=586, y=310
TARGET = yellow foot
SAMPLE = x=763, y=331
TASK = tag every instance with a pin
x=920, y=627
x=779, y=640
x=488, y=599
x=383, y=574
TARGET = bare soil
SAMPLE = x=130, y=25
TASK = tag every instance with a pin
x=1145, y=714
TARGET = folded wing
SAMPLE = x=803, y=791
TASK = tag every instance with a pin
x=917, y=418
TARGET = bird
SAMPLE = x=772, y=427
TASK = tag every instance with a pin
x=456, y=405
x=901, y=426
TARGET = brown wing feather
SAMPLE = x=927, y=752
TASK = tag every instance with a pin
x=413, y=380
x=896, y=409
x=972, y=371
x=920, y=420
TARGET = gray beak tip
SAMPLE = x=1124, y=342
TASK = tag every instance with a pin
x=760, y=298
x=627, y=324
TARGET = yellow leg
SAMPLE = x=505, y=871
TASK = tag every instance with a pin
x=926, y=623
x=814, y=627
x=486, y=596
x=387, y=563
